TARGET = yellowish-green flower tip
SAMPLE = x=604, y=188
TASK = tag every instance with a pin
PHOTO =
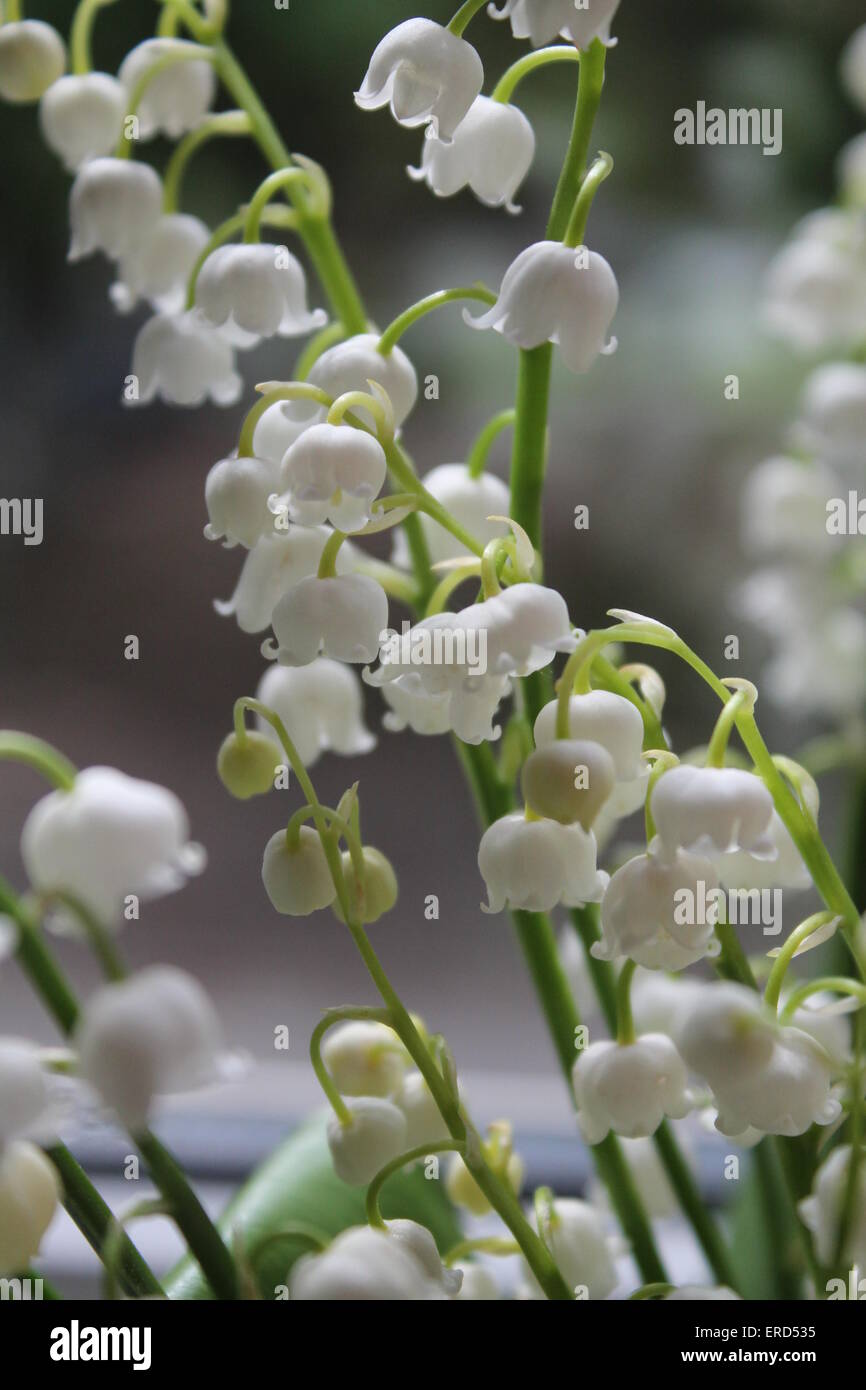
x=247, y=766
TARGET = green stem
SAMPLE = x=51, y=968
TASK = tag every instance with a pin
x=325, y=1080
x=787, y=953
x=558, y=53
x=625, y=1034
x=477, y=458
x=395, y=330
x=80, y=32
x=204, y=1240
x=224, y=123
x=98, y=938
x=589, y=92
x=466, y=12
x=374, y=1215
x=283, y=180
x=39, y=755
x=188, y=15
x=576, y=231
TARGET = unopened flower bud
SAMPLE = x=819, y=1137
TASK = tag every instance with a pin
x=81, y=117
x=247, y=766
x=374, y=897
x=568, y=781
x=297, y=880
x=29, y=1197
x=375, y=1134
x=32, y=57
x=629, y=1088
x=364, y=1059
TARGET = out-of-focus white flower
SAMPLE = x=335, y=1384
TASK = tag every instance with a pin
x=32, y=57
x=853, y=66
x=479, y=1284
x=81, y=117
x=114, y=206
x=785, y=599
x=333, y=473
x=466, y=709
x=351, y=366
x=236, y=494
x=537, y=864
x=321, y=707
x=542, y=20
x=694, y=1293
x=25, y=1103
x=424, y=1122
x=661, y=1003
x=375, y=1134
x=784, y=508
x=275, y=565
x=491, y=152
x=787, y=870
x=159, y=268
x=576, y=1238
x=411, y=1236
x=851, y=168
x=469, y=500
x=177, y=98
x=822, y=1210
x=463, y=1188
x=363, y=1264
x=656, y=912
x=427, y=75
x=364, y=1058
x=183, y=360
x=775, y=1079
x=259, y=289
x=152, y=1034
x=29, y=1197
x=557, y=294
x=833, y=418
x=629, y=1088
x=341, y=617
x=831, y=1030
x=648, y=1174
x=815, y=294
x=297, y=881
x=108, y=837
x=821, y=669
x=568, y=780
x=712, y=808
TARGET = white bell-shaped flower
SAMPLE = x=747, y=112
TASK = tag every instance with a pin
x=784, y=508
x=427, y=75
x=259, y=289
x=787, y=870
x=834, y=414
x=343, y=618
x=114, y=206
x=713, y=809
x=25, y=1102
x=424, y=1122
x=726, y=1033
x=364, y=1058
x=351, y=366
x=466, y=709
x=236, y=494
x=375, y=1134
x=411, y=1236
x=183, y=360
x=600, y=716
x=658, y=911
x=158, y=269
x=153, y=1034
x=321, y=707
x=297, y=881
x=542, y=20
x=577, y=1238
x=109, y=836
x=821, y=1211
x=852, y=66
x=469, y=500
x=815, y=294
x=821, y=669
x=526, y=626
x=662, y=1002
x=537, y=864
x=629, y=1088
x=275, y=433
x=557, y=294
x=569, y=780
x=32, y=57
x=81, y=117
x=177, y=98
x=363, y=1264
x=333, y=473
x=491, y=152
x=29, y=1198
x=275, y=565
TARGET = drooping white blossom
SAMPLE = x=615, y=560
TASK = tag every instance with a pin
x=659, y=912
x=364, y=1058
x=821, y=1211
x=787, y=870
x=815, y=292
x=342, y=617
x=466, y=708
x=629, y=1088
x=26, y=1110
x=297, y=881
x=109, y=836
x=32, y=57
x=351, y=366
x=159, y=268
x=363, y=1264
x=427, y=75
x=236, y=495
x=469, y=500
x=114, y=206
x=557, y=294
x=275, y=565
x=321, y=707
x=833, y=414
x=184, y=361
x=152, y=1034
x=333, y=473
x=537, y=864
x=542, y=20
x=820, y=668
x=424, y=1122
x=577, y=1239
x=415, y=1238
x=177, y=98
x=375, y=1134
x=81, y=117
x=29, y=1198
x=490, y=153
x=712, y=809
x=259, y=289
x=784, y=509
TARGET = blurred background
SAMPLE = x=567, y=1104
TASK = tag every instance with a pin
x=646, y=440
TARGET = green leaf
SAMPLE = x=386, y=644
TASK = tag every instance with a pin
x=297, y=1183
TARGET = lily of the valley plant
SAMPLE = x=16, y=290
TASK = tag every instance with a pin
x=560, y=730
